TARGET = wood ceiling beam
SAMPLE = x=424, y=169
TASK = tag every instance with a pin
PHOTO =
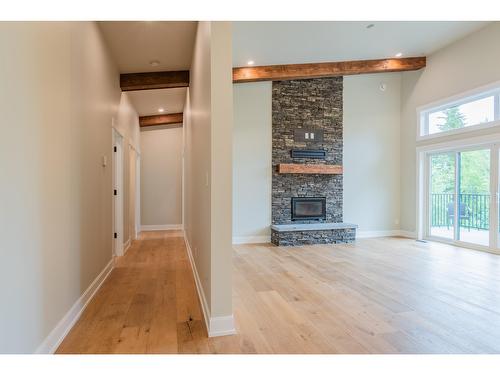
x=154, y=80
x=172, y=118
x=328, y=69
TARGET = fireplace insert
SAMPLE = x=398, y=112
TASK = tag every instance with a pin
x=308, y=208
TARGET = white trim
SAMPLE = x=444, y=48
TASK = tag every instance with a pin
x=216, y=326
x=251, y=239
x=57, y=335
x=460, y=143
x=467, y=129
x=199, y=288
x=463, y=97
x=126, y=246
x=221, y=326
x=149, y=228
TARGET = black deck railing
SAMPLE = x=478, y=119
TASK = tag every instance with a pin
x=474, y=210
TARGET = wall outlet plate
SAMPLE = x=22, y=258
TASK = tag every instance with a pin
x=308, y=135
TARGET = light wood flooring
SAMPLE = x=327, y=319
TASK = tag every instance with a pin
x=387, y=295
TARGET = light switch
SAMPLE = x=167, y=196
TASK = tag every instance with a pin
x=306, y=135
x=104, y=161
x=312, y=135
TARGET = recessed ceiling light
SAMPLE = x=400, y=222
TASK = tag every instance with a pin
x=161, y=110
x=154, y=63
x=399, y=54
x=250, y=62
x=370, y=26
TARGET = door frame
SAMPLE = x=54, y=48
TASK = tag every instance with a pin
x=137, y=193
x=422, y=186
x=117, y=199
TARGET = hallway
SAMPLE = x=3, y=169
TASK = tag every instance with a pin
x=147, y=305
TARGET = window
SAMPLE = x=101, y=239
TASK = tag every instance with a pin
x=468, y=113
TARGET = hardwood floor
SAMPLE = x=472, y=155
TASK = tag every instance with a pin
x=387, y=295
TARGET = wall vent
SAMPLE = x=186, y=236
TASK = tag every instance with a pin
x=308, y=154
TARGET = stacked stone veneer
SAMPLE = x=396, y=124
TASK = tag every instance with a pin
x=311, y=104
x=298, y=238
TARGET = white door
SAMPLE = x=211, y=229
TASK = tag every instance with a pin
x=117, y=191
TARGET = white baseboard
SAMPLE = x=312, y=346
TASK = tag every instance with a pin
x=251, y=239
x=221, y=326
x=57, y=335
x=384, y=233
x=216, y=326
x=376, y=233
x=126, y=246
x=149, y=228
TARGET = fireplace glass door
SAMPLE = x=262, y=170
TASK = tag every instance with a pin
x=308, y=208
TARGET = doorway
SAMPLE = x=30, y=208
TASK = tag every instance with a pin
x=461, y=196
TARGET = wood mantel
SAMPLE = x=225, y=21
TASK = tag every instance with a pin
x=310, y=168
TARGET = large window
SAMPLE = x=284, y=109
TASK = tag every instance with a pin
x=471, y=112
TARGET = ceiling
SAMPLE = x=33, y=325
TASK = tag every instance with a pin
x=134, y=45
x=269, y=43
x=147, y=102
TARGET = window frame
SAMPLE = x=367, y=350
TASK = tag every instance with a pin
x=423, y=112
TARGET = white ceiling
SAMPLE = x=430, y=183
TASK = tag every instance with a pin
x=268, y=43
x=134, y=45
x=147, y=102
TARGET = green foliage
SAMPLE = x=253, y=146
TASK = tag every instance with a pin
x=453, y=119
x=474, y=165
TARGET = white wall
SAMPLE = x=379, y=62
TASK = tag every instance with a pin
x=371, y=152
x=462, y=66
x=252, y=174
x=208, y=170
x=161, y=177
x=371, y=156
x=59, y=92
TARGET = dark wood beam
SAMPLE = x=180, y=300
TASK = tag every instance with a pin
x=329, y=69
x=172, y=118
x=154, y=80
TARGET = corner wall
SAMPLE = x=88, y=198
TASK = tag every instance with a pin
x=464, y=65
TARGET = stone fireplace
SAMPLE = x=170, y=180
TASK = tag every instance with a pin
x=307, y=184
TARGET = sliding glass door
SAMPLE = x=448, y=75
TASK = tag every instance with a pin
x=442, y=195
x=474, y=196
x=460, y=204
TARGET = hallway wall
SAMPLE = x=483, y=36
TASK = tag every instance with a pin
x=59, y=93
x=208, y=171
x=161, y=178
